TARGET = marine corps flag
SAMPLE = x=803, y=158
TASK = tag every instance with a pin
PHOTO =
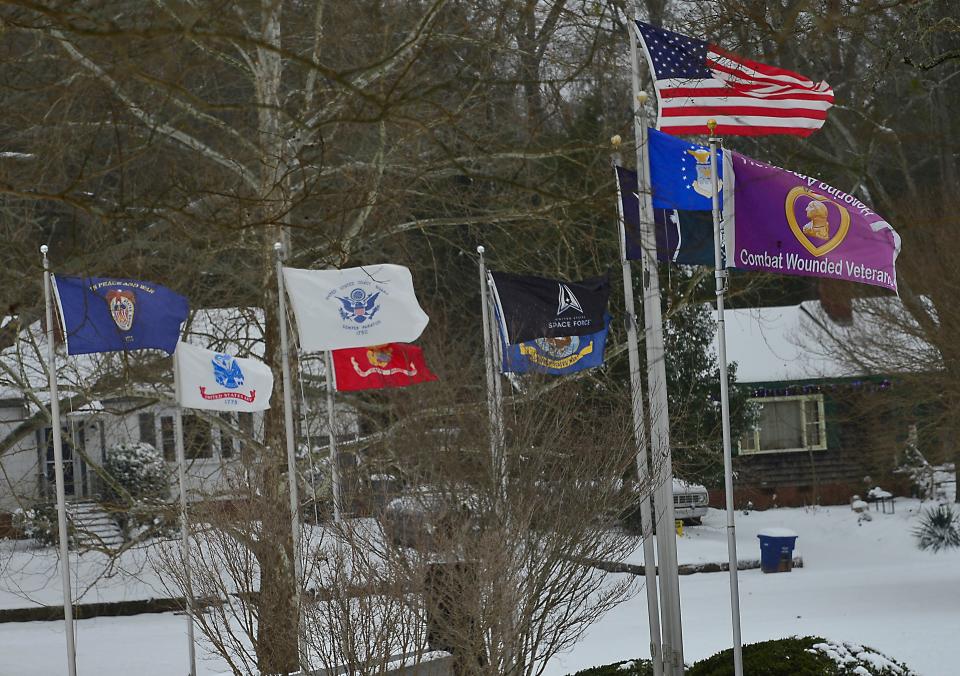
x=371, y=368
x=106, y=314
x=534, y=307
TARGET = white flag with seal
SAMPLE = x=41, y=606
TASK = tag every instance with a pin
x=217, y=381
x=354, y=307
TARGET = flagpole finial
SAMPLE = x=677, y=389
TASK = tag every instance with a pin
x=615, y=140
x=277, y=246
x=44, y=249
x=642, y=97
x=480, y=249
x=712, y=126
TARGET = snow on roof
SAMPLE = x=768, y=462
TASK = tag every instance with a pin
x=768, y=344
x=801, y=342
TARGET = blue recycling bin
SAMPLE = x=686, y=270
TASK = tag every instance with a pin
x=776, y=550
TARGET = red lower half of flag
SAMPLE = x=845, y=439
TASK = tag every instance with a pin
x=371, y=368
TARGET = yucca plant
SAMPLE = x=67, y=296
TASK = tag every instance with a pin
x=939, y=529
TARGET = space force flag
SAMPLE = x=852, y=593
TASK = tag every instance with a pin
x=696, y=81
x=555, y=356
x=683, y=236
x=378, y=366
x=786, y=223
x=216, y=381
x=106, y=314
x=354, y=307
x=534, y=307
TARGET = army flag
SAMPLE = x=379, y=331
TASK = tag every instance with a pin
x=555, y=356
x=354, y=307
x=683, y=236
x=534, y=307
x=787, y=223
x=107, y=314
x=217, y=381
x=379, y=366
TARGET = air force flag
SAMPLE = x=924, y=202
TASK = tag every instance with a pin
x=680, y=173
x=354, y=307
x=216, y=381
x=105, y=314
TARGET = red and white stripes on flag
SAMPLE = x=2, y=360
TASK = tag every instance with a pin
x=696, y=81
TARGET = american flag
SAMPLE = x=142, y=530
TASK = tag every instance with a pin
x=697, y=81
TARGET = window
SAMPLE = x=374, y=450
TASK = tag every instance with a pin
x=148, y=428
x=168, y=438
x=245, y=423
x=197, y=438
x=226, y=437
x=787, y=424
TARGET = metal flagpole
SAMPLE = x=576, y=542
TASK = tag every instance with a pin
x=657, y=388
x=494, y=391
x=58, y=469
x=291, y=450
x=640, y=434
x=184, y=525
x=721, y=276
x=334, y=458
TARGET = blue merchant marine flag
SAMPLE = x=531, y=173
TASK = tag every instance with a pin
x=680, y=175
x=683, y=236
x=555, y=356
x=105, y=314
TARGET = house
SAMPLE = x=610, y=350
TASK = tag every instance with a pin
x=139, y=412
x=825, y=430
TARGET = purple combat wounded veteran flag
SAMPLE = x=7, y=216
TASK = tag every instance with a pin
x=787, y=223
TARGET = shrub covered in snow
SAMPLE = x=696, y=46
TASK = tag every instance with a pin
x=625, y=668
x=136, y=472
x=807, y=656
x=38, y=523
x=136, y=487
x=939, y=529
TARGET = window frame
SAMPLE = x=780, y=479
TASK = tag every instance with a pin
x=802, y=399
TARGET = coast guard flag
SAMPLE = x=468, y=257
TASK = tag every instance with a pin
x=696, y=81
x=683, y=236
x=790, y=224
x=555, y=356
x=216, y=381
x=354, y=307
x=378, y=366
x=534, y=307
x=106, y=314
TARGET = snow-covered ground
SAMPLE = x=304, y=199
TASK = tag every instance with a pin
x=868, y=584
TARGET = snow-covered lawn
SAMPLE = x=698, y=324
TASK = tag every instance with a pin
x=868, y=584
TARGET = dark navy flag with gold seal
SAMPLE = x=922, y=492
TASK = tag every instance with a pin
x=555, y=356
x=106, y=314
x=683, y=236
x=534, y=307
